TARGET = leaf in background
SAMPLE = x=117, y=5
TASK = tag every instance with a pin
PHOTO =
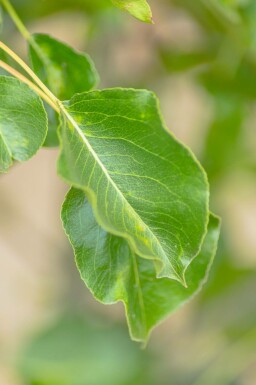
x=31, y=9
x=23, y=122
x=219, y=80
x=143, y=184
x=225, y=135
x=114, y=273
x=63, y=70
x=76, y=351
x=137, y=8
x=210, y=14
x=179, y=61
x=1, y=19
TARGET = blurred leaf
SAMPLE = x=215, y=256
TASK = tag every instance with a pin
x=224, y=275
x=137, y=8
x=179, y=61
x=212, y=15
x=23, y=122
x=230, y=363
x=63, y=70
x=227, y=7
x=1, y=19
x=143, y=184
x=114, y=273
x=33, y=9
x=223, y=140
x=219, y=79
x=76, y=351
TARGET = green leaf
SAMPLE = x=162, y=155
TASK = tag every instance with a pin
x=63, y=70
x=143, y=184
x=1, y=19
x=225, y=134
x=51, y=139
x=8, y=60
x=223, y=80
x=78, y=351
x=210, y=14
x=181, y=61
x=114, y=273
x=137, y=8
x=23, y=122
x=4, y=58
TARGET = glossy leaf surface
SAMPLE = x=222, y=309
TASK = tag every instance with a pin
x=23, y=122
x=143, y=184
x=114, y=273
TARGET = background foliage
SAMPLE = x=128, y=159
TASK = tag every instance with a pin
x=200, y=58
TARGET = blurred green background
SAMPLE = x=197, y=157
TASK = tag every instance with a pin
x=200, y=59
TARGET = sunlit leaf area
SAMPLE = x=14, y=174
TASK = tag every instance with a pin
x=127, y=192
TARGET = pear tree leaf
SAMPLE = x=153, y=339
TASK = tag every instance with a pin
x=113, y=272
x=224, y=133
x=181, y=61
x=64, y=70
x=1, y=19
x=143, y=184
x=140, y=9
x=23, y=122
x=82, y=351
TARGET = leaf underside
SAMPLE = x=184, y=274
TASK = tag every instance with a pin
x=113, y=272
x=23, y=122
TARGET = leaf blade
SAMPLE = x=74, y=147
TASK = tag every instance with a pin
x=23, y=122
x=140, y=9
x=114, y=273
x=60, y=67
x=143, y=184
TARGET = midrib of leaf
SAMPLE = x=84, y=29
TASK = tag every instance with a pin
x=140, y=293
x=81, y=134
